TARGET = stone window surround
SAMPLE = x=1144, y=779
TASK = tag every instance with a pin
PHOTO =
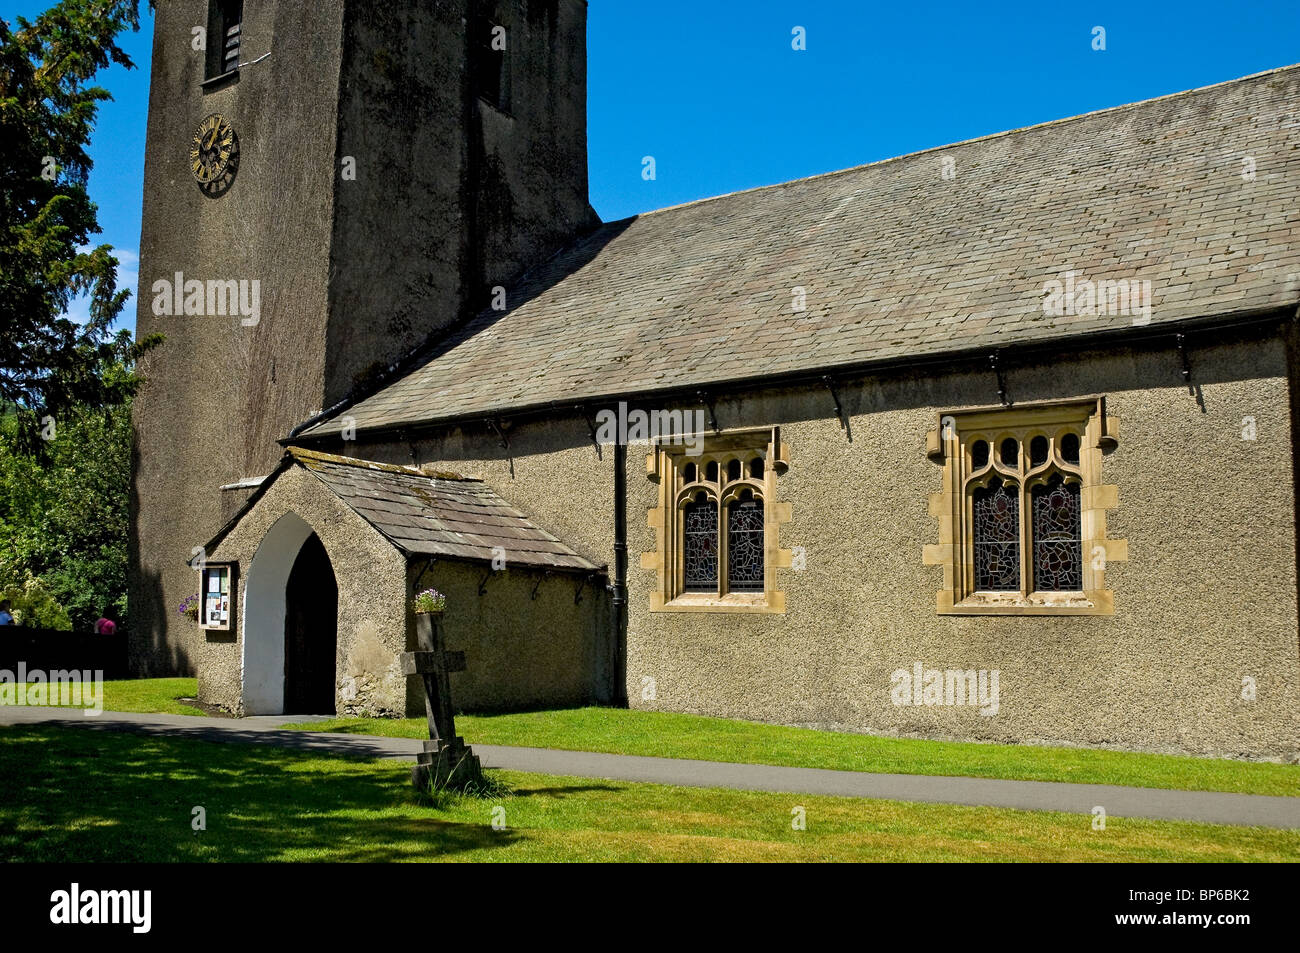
x=951, y=506
x=664, y=465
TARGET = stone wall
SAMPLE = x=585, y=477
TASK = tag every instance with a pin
x=218, y=394
x=1206, y=598
x=372, y=599
x=376, y=203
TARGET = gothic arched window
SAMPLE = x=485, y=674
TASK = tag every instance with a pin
x=1023, y=510
x=745, y=544
x=1058, y=546
x=700, y=537
x=719, y=520
x=997, y=537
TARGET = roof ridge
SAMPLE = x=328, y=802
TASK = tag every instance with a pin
x=961, y=142
x=302, y=454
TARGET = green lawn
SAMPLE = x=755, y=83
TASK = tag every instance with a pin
x=81, y=794
x=152, y=695
x=671, y=735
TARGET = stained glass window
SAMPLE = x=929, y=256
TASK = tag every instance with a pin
x=701, y=545
x=1058, y=547
x=1012, y=535
x=997, y=538
x=745, y=546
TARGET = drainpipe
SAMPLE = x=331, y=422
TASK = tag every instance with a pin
x=618, y=627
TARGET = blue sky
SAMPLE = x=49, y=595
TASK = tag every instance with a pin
x=714, y=91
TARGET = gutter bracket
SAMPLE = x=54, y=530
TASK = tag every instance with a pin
x=704, y=399
x=581, y=409
x=582, y=583
x=482, y=583
x=495, y=427
x=839, y=409
x=995, y=365
x=1181, y=341
x=539, y=584
x=428, y=564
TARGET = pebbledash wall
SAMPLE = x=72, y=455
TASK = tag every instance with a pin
x=372, y=599
x=1206, y=598
x=529, y=639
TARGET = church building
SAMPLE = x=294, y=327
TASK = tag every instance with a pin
x=993, y=441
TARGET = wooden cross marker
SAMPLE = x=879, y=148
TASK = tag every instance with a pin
x=446, y=760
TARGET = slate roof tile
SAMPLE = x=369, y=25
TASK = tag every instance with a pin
x=460, y=518
x=895, y=260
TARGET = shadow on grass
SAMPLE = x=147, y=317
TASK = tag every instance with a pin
x=293, y=740
x=561, y=793
x=344, y=725
x=534, y=709
x=74, y=795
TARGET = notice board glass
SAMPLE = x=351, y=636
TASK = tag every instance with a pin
x=216, y=608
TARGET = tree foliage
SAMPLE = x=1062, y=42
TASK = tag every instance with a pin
x=64, y=515
x=32, y=605
x=50, y=364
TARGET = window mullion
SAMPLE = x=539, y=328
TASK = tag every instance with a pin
x=724, y=555
x=1026, y=544
x=1026, y=527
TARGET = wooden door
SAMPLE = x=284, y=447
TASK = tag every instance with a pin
x=310, y=632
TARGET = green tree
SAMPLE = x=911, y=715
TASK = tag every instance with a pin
x=64, y=515
x=49, y=364
x=33, y=606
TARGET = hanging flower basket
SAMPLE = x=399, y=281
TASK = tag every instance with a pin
x=431, y=602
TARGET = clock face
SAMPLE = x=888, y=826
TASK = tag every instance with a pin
x=214, y=154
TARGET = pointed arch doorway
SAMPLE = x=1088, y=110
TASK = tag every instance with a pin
x=290, y=624
x=311, y=602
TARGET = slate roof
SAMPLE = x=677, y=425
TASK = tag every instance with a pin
x=440, y=515
x=897, y=261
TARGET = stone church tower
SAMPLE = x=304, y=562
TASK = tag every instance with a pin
x=365, y=173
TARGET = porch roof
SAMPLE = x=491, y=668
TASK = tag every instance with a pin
x=440, y=514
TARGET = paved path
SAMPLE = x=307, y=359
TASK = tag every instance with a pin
x=1212, y=807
